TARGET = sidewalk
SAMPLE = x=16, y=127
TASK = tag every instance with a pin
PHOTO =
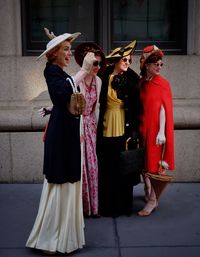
x=173, y=230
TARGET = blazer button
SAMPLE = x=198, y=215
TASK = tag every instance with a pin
x=127, y=124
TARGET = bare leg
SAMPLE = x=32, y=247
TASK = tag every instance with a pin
x=147, y=186
x=150, y=206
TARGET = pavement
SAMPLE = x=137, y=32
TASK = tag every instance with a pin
x=173, y=230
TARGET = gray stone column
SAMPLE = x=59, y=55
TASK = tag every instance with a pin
x=193, y=27
x=10, y=29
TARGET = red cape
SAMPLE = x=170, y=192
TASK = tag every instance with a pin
x=153, y=94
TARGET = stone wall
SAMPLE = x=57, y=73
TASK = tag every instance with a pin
x=23, y=92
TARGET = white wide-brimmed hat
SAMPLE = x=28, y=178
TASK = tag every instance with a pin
x=57, y=40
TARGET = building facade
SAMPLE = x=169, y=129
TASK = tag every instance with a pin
x=23, y=88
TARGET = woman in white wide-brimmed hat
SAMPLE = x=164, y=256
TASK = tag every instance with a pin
x=59, y=225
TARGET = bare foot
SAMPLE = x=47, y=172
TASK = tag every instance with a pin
x=149, y=208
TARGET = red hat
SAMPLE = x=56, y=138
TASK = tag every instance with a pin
x=147, y=52
x=82, y=49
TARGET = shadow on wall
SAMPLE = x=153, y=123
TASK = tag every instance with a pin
x=43, y=96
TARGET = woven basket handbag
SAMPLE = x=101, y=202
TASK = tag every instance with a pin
x=159, y=181
x=76, y=105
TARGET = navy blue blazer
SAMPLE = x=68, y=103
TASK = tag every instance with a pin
x=62, y=154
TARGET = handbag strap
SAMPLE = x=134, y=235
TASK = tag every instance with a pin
x=74, y=87
x=128, y=139
x=126, y=144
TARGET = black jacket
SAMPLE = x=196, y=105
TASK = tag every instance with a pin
x=130, y=98
x=62, y=154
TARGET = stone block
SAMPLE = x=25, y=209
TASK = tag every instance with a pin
x=27, y=156
x=6, y=158
x=187, y=155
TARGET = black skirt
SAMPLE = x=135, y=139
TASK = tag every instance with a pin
x=115, y=189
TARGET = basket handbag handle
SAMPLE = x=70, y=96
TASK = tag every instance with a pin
x=162, y=156
x=73, y=85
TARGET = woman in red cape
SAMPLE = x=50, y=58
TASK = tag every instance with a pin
x=156, y=122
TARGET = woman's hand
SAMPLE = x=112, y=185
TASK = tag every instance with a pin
x=88, y=61
x=45, y=111
x=160, y=139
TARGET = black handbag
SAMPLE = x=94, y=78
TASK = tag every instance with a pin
x=132, y=161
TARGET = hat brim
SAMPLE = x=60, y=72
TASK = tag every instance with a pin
x=64, y=37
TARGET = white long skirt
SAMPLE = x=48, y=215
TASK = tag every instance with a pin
x=59, y=225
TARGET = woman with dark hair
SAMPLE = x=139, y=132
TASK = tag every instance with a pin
x=156, y=123
x=118, y=120
x=90, y=87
